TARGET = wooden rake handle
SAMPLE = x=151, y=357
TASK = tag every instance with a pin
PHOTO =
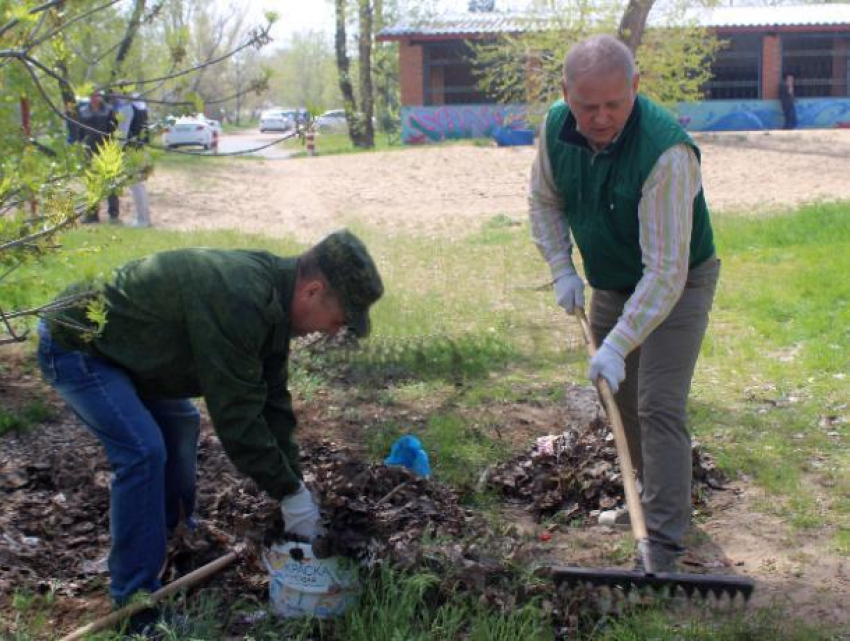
x=628, y=472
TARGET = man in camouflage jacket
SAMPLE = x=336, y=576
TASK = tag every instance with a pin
x=199, y=322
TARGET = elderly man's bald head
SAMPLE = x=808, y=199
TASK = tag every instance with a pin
x=599, y=55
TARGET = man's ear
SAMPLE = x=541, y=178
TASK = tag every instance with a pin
x=564, y=90
x=313, y=288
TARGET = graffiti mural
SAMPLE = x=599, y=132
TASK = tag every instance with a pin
x=451, y=122
x=753, y=115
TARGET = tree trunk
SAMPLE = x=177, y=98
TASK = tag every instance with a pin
x=367, y=100
x=633, y=23
x=129, y=36
x=343, y=67
x=239, y=95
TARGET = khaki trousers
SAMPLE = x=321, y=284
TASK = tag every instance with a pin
x=653, y=399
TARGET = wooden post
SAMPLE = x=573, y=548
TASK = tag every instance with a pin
x=311, y=142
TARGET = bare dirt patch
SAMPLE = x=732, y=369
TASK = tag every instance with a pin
x=451, y=190
x=55, y=533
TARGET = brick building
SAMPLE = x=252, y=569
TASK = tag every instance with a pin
x=440, y=98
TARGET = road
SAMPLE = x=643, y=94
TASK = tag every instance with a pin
x=251, y=139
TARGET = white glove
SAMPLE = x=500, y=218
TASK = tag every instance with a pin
x=301, y=514
x=608, y=364
x=569, y=291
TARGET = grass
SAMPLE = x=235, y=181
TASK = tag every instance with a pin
x=463, y=325
x=656, y=624
x=772, y=390
x=328, y=144
x=34, y=413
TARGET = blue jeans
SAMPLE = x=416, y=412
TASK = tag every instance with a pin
x=152, y=448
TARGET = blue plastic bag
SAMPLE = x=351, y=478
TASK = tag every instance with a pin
x=408, y=452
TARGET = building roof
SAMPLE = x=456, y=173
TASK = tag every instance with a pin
x=468, y=24
x=473, y=23
x=778, y=16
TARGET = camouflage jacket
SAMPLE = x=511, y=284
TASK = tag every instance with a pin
x=211, y=323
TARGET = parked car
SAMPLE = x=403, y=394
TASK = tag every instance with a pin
x=278, y=120
x=189, y=131
x=332, y=121
x=215, y=124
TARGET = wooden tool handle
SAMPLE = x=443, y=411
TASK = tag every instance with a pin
x=184, y=581
x=628, y=472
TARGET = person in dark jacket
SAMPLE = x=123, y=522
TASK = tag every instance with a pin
x=787, y=101
x=618, y=175
x=99, y=122
x=199, y=322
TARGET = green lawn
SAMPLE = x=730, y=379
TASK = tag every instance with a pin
x=465, y=320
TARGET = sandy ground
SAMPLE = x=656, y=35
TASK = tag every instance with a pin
x=451, y=190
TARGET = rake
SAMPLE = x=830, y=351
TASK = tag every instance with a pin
x=628, y=580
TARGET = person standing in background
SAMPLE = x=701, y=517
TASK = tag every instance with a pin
x=786, y=99
x=99, y=122
x=133, y=123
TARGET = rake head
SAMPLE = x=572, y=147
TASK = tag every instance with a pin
x=669, y=582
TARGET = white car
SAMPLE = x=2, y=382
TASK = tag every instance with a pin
x=189, y=131
x=215, y=124
x=277, y=120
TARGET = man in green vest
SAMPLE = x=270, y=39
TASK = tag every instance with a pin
x=617, y=175
x=199, y=322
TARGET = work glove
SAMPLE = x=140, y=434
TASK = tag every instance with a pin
x=610, y=365
x=569, y=291
x=301, y=514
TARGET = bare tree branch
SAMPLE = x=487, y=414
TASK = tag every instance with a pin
x=259, y=37
x=129, y=35
x=67, y=24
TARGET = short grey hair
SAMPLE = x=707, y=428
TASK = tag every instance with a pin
x=600, y=55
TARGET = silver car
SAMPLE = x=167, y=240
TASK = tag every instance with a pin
x=277, y=120
x=332, y=121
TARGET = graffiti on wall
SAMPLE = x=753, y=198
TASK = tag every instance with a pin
x=451, y=122
x=754, y=115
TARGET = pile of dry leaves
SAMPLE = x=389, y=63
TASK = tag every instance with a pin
x=54, y=527
x=576, y=474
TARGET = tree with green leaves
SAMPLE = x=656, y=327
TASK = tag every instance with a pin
x=51, y=53
x=359, y=119
x=674, y=57
x=305, y=73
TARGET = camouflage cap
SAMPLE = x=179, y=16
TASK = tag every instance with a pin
x=351, y=272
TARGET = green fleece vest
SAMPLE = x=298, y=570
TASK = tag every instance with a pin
x=602, y=192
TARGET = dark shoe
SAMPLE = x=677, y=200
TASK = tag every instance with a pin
x=114, y=220
x=156, y=623
x=661, y=558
